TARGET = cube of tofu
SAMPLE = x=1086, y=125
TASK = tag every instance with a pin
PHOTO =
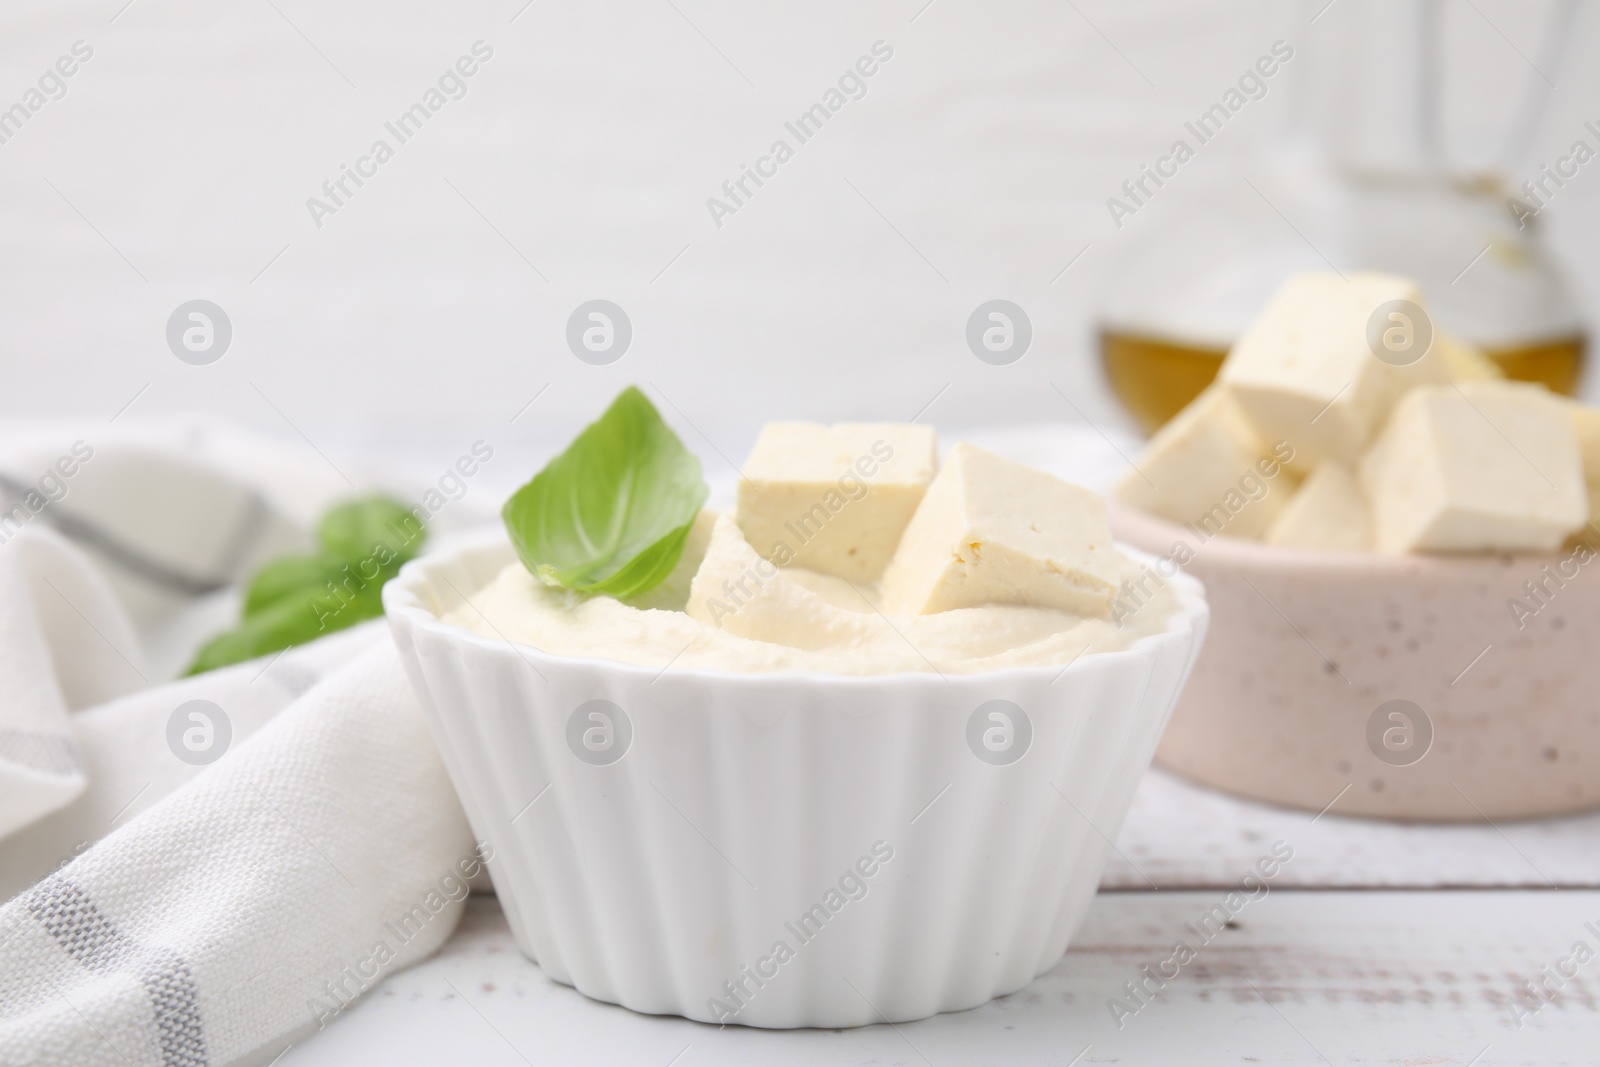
x=673, y=592
x=737, y=590
x=1586, y=423
x=1466, y=363
x=1328, y=513
x=1476, y=466
x=991, y=531
x=1208, y=468
x=835, y=498
x=1305, y=371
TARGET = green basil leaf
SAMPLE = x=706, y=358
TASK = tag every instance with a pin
x=357, y=529
x=297, y=617
x=612, y=513
x=283, y=578
x=296, y=599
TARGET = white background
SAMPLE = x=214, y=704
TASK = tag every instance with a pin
x=179, y=163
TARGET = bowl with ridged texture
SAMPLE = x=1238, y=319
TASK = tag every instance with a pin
x=785, y=850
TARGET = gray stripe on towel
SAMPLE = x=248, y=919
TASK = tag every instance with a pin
x=87, y=935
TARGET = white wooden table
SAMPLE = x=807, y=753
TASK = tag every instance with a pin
x=1378, y=944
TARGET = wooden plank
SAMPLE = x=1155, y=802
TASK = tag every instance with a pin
x=1301, y=978
x=1183, y=836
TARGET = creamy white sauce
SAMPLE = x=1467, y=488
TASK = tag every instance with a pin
x=743, y=614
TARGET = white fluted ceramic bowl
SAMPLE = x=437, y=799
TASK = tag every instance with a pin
x=665, y=880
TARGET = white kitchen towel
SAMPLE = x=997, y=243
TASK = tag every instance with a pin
x=40, y=768
x=213, y=866
x=251, y=905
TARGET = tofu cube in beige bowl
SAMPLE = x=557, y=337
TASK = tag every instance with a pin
x=1399, y=554
x=777, y=796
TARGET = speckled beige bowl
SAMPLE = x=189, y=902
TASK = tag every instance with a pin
x=1290, y=699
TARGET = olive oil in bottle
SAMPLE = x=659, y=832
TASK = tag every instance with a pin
x=1155, y=378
